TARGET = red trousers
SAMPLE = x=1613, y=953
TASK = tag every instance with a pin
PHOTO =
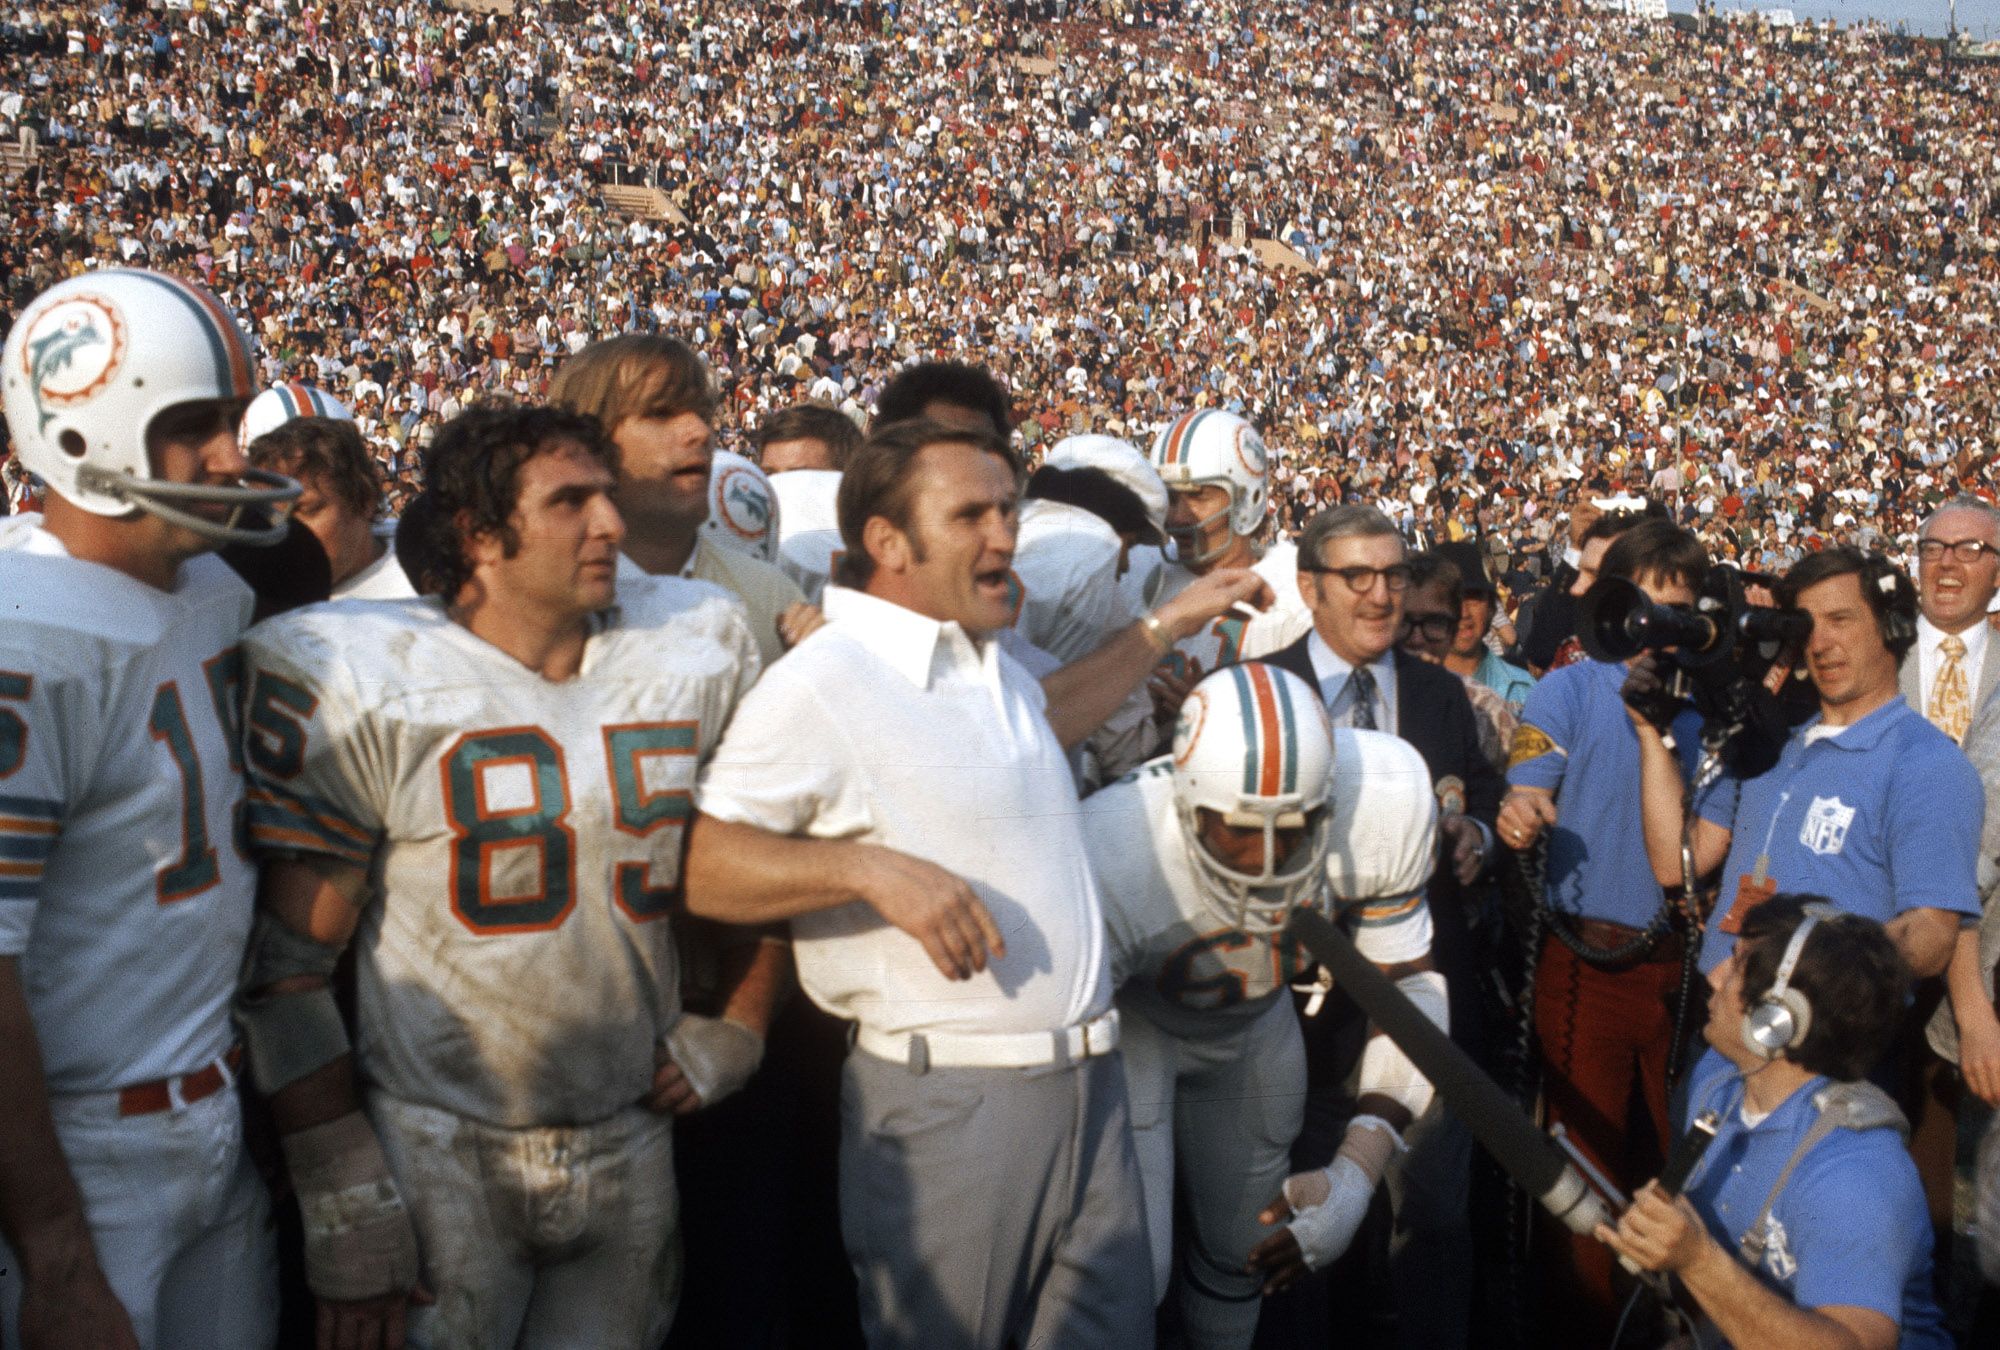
x=1602, y=1034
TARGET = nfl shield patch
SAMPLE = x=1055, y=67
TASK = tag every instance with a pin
x=1825, y=830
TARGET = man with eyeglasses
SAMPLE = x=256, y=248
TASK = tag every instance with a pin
x=1433, y=603
x=1354, y=574
x=1951, y=682
x=1958, y=574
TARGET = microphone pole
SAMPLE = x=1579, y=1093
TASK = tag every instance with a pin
x=1525, y=1152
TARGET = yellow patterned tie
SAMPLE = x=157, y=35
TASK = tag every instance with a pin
x=1950, y=703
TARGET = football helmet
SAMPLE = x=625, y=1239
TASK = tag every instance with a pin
x=281, y=403
x=1253, y=745
x=1122, y=463
x=742, y=508
x=88, y=366
x=1211, y=446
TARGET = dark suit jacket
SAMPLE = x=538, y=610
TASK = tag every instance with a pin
x=1434, y=715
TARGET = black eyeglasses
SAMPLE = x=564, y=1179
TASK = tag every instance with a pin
x=1434, y=627
x=1361, y=580
x=1965, y=550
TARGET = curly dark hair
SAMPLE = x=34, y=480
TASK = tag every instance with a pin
x=1849, y=972
x=472, y=485
x=973, y=388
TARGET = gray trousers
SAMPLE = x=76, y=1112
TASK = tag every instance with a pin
x=988, y=1206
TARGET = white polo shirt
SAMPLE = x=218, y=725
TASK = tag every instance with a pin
x=890, y=728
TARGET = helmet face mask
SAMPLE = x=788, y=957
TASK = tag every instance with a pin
x=1207, y=447
x=93, y=363
x=1261, y=902
x=1253, y=752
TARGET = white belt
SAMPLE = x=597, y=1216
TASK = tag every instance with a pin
x=999, y=1050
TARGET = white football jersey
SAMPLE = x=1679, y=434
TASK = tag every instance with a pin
x=1233, y=637
x=1173, y=958
x=808, y=526
x=524, y=836
x=124, y=887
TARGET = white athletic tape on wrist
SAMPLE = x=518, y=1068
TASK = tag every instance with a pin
x=716, y=1055
x=1385, y=1069
x=359, y=1243
x=1325, y=1225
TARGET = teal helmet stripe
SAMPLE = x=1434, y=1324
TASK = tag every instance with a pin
x=1246, y=698
x=218, y=344
x=1288, y=727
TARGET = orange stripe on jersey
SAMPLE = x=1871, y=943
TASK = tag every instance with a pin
x=324, y=819
x=20, y=869
x=22, y=825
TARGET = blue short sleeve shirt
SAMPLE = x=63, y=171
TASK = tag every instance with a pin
x=1881, y=819
x=1849, y=1229
x=1577, y=741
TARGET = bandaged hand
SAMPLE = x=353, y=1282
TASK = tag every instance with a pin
x=716, y=1055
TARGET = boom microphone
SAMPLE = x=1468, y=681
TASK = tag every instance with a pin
x=1487, y=1111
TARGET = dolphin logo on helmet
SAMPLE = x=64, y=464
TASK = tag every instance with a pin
x=88, y=367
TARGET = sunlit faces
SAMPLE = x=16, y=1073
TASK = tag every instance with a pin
x=1241, y=848
x=1954, y=590
x=567, y=532
x=799, y=452
x=1198, y=521
x=1846, y=656
x=663, y=470
x=952, y=563
x=1724, y=1029
x=1475, y=616
x=347, y=535
x=1358, y=624
x=1429, y=622
x=195, y=443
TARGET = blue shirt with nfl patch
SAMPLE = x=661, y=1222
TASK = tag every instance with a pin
x=1849, y=1229
x=1577, y=741
x=1880, y=817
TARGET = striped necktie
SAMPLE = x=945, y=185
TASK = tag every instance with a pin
x=1362, y=682
x=1950, y=709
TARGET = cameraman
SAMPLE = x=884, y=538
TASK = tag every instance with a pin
x=1804, y=1223
x=1868, y=801
x=1604, y=1000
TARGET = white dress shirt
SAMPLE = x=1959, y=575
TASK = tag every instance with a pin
x=890, y=728
x=1335, y=678
x=1929, y=638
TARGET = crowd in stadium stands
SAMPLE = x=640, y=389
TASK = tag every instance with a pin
x=1533, y=254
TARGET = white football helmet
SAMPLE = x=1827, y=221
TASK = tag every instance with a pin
x=93, y=360
x=1121, y=462
x=1211, y=446
x=282, y=403
x=1253, y=745
x=742, y=508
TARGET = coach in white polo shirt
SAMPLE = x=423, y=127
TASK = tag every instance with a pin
x=989, y=1192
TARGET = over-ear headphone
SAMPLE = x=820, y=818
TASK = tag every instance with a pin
x=1783, y=1017
x=1893, y=597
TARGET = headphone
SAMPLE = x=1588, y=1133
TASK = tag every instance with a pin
x=1893, y=597
x=1783, y=1017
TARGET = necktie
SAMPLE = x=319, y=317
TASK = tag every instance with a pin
x=1362, y=682
x=1950, y=702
